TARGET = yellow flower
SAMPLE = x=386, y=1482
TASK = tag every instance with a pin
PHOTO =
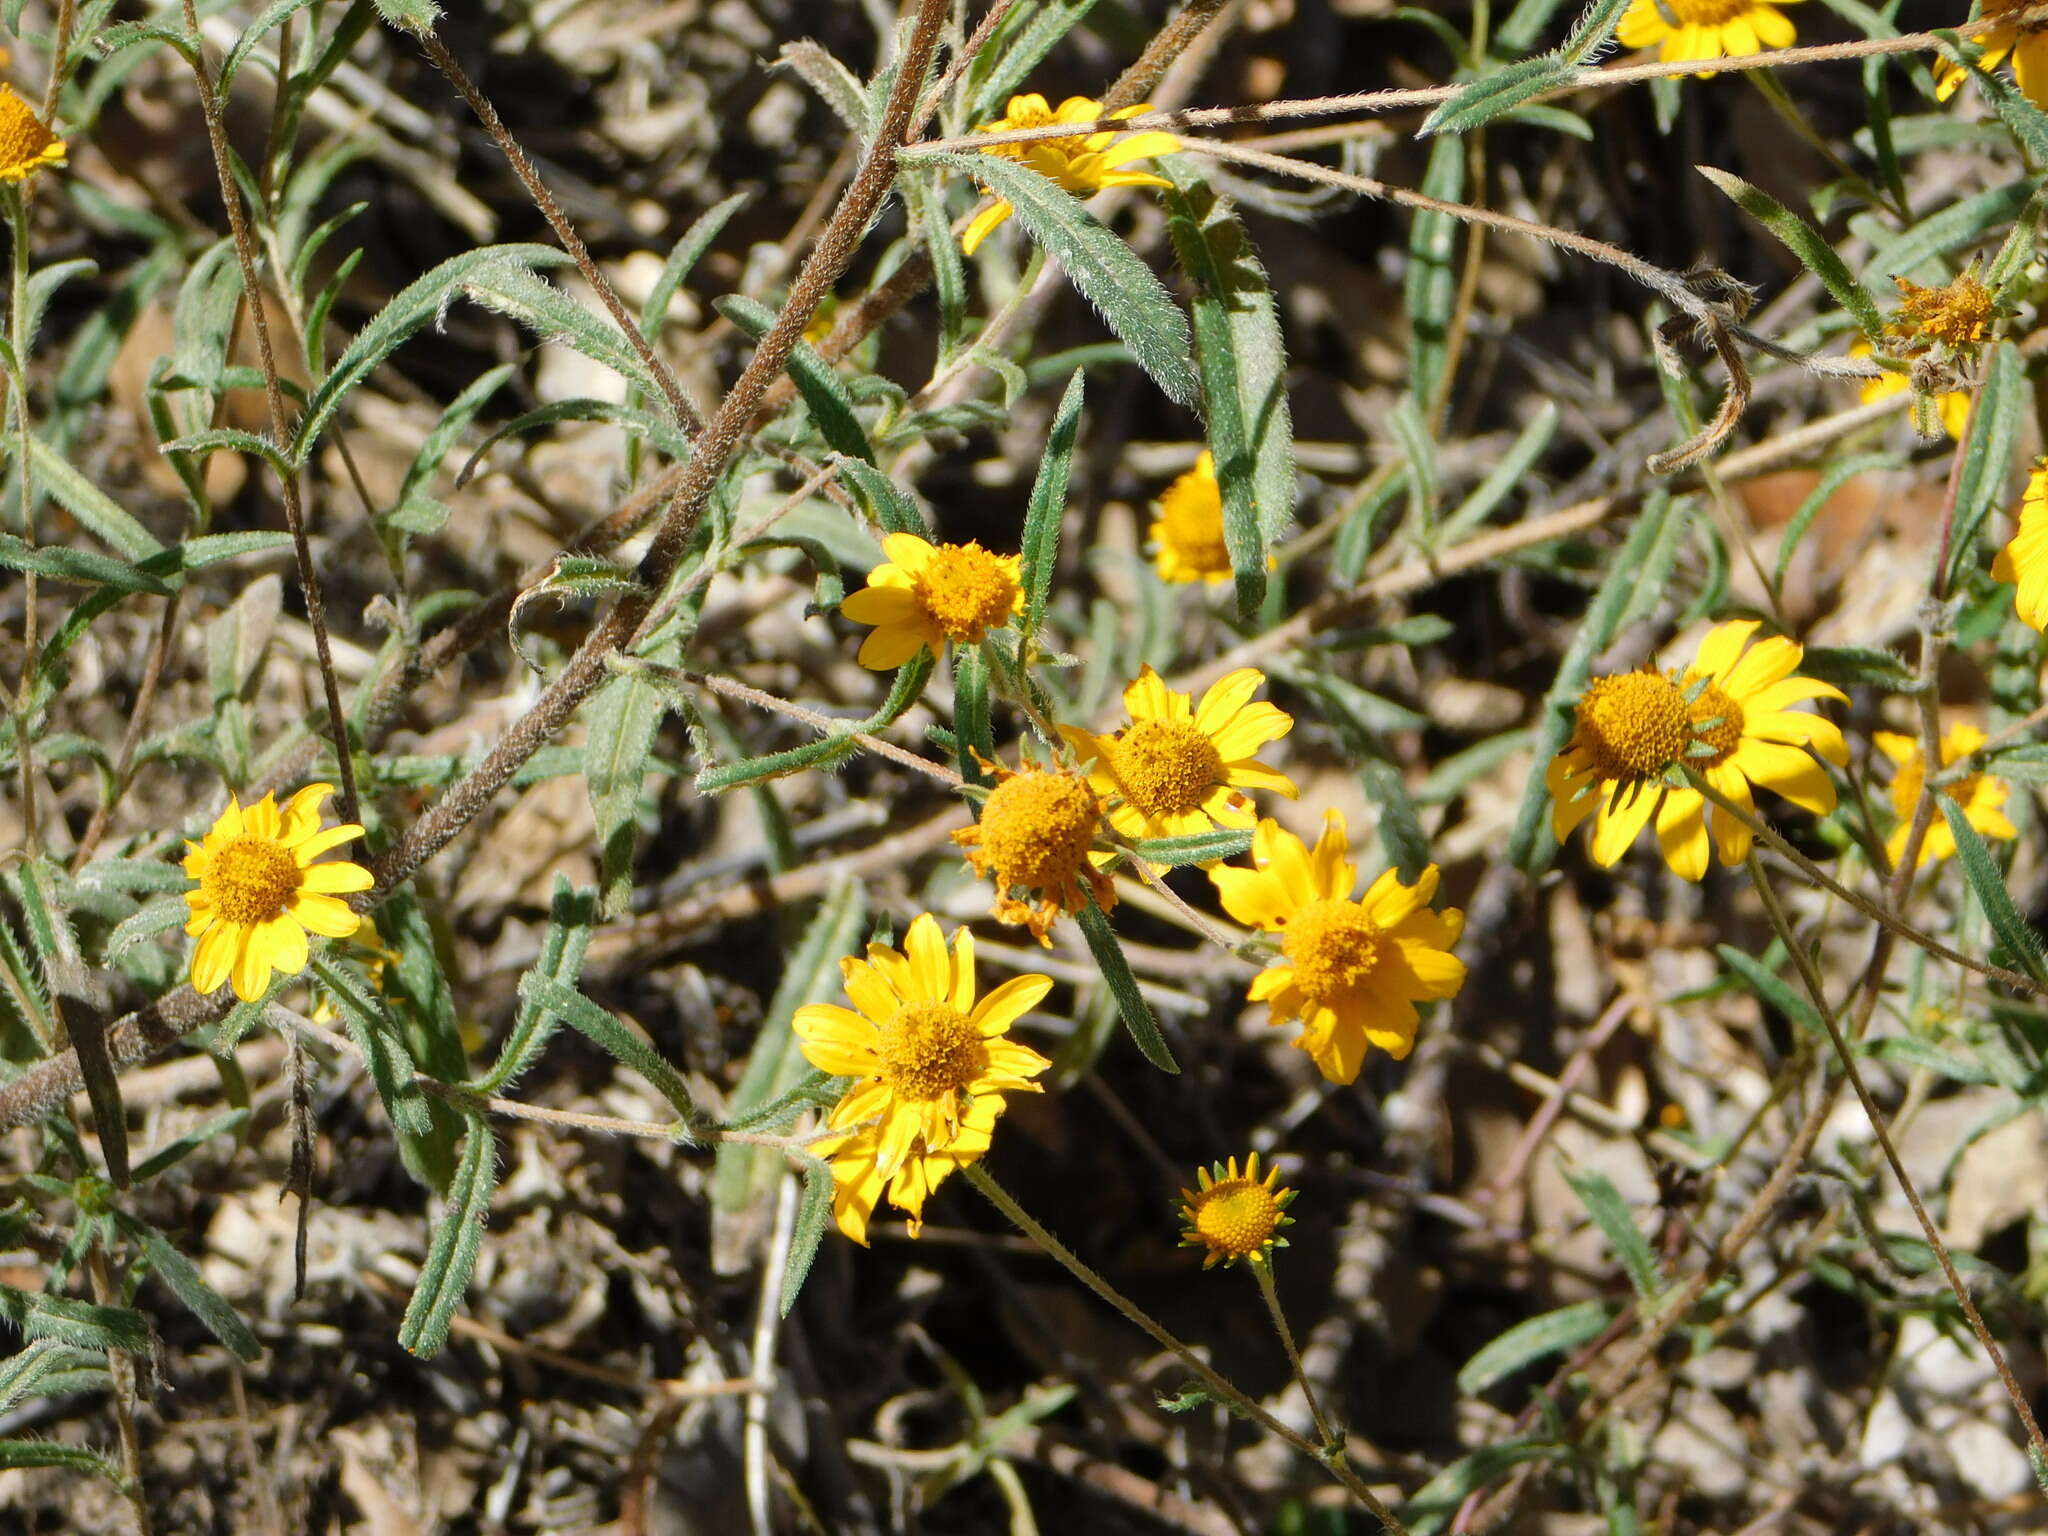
x=1189, y=531
x=925, y=1053
x=259, y=892
x=1958, y=314
x=858, y=1182
x=1351, y=971
x=2028, y=47
x=1079, y=163
x=2024, y=561
x=26, y=143
x=1953, y=406
x=927, y=594
x=1176, y=770
x=1981, y=799
x=1034, y=835
x=1728, y=718
x=1705, y=29
x=1235, y=1216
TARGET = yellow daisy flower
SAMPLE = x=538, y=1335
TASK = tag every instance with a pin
x=1175, y=770
x=923, y=1050
x=26, y=143
x=1953, y=406
x=259, y=892
x=2028, y=47
x=1189, y=531
x=858, y=1182
x=1981, y=798
x=1728, y=717
x=927, y=594
x=1351, y=971
x=1705, y=29
x=1235, y=1216
x=2024, y=561
x=1035, y=833
x=1079, y=163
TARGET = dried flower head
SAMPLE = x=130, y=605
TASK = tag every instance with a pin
x=1078, y=163
x=1957, y=315
x=1351, y=971
x=1235, y=1216
x=26, y=143
x=259, y=893
x=1035, y=833
x=926, y=595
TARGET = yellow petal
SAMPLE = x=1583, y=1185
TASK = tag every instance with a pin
x=1682, y=834
x=931, y=969
x=985, y=223
x=335, y=879
x=1621, y=817
x=1724, y=642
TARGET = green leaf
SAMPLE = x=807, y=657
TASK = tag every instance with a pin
x=199, y=1298
x=1023, y=39
x=521, y=294
x=1853, y=666
x=1533, y=1339
x=1430, y=1509
x=177, y=1151
x=1959, y=224
x=1836, y=474
x=1047, y=509
x=1502, y=91
x=377, y=1037
x=1243, y=363
x=624, y=1045
x=100, y=514
x=1130, y=1002
x=2027, y=122
x=683, y=259
x=571, y=916
x=82, y=566
x=813, y=1221
x=1430, y=288
x=1804, y=242
x=272, y=17
x=1774, y=990
x=79, y=1324
x=1988, y=452
x=421, y=301
x=1199, y=848
x=51, y=1453
x=1400, y=828
x=823, y=391
x=1611, y=1215
x=422, y=1004
x=885, y=503
x=972, y=724
x=1504, y=478
x=622, y=722
x=451, y=1257
x=949, y=273
x=1988, y=885
x=1130, y=298
x=828, y=749
x=232, y=440
x=29, y=1368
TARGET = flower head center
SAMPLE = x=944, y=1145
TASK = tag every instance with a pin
x=1037, y=827
x=1236, y=1218
x=931, y=1050
x=250, y=880
x=1716, y=723
x=1165, y=767
x=1333, y=946
x=966, y=590
x=1633, y=725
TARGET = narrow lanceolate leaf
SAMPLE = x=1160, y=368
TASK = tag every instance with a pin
x=451, y=1257
x=1988, y=885
x=1430, y=288
x=28, y=1368
x=1107, y=272
x=623, y=720
x=571, y=915
x=1243, y=364
x=823, y=391
x=1611, y=1215
x=1804, y=242
x=1533, y=1339
x=887, y=505
x=417, y=304
x=1774, y=990
x=103, y=517
x=1988, y=452
x=616, y=1040
x=377, y=1037
x=683, y=259
x=80, y=1324
x=1048, y=507
x=84, y=567
x=1500, y=92
x=200, y=1299
x=1198, y=848
x=52, y=1453
x=1130, y=1002
x=1504, y=478
x=2027, y=122
x=813, y=1221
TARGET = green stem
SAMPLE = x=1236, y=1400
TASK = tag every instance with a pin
x=1262, y=1271
x=979, y=1176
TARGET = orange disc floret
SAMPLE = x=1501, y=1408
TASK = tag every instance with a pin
x=1035, y=833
